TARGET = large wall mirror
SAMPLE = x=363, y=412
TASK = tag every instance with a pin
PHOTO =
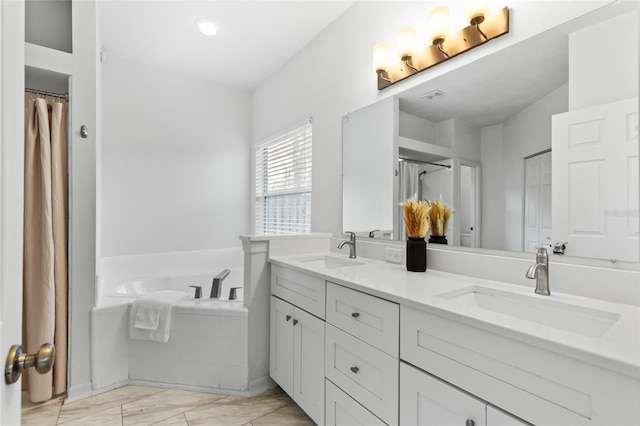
x=535, y=144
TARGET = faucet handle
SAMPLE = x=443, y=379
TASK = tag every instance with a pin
x=352, y=235
x=198, y=288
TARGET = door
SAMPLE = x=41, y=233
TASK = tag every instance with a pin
x=537, y=201
x=425, y=400
x=281, y=341
x=11, y=193
x=469, y=200
x=308, y=368
x=595, y=171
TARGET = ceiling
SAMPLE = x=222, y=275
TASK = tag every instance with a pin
x=254, y=39
x=495, y=88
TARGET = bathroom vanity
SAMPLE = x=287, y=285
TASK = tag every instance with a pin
x=361, y=341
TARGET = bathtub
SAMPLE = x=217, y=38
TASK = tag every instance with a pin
x=207, y=349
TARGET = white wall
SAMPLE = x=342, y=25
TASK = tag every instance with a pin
x=612, y=77
x=333, y=75
x=525, y=134
x=175, y=161
x=418, y=128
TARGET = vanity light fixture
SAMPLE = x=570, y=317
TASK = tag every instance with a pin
x=444, y=44
x=438, y=25
x=206, y=27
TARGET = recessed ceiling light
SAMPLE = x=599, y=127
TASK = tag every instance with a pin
x=206, y=27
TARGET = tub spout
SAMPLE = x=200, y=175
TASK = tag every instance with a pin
x=216, y=285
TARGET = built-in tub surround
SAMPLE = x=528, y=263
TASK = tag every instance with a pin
x=207, y=349
x=208, y=346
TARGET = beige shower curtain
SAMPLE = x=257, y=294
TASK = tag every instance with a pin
x=45, y=285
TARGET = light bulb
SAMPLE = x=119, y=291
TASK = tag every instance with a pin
x=406, y=42
x=438, y=24
x=381, y=56
x=476, y=11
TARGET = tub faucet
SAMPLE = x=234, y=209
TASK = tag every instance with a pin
x=216, y=285
x=351, y=243
x=540, y=271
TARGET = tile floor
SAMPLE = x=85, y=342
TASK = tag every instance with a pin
x=143, y=405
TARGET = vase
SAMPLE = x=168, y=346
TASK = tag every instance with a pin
x=438, y=239
x=416, y=254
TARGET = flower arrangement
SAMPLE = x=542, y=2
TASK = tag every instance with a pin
x=415, y=218
x=438, y=217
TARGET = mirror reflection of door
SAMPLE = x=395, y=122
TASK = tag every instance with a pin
x=469, y=209
x=537, y=209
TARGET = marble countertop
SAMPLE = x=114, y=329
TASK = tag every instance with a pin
x=617, y=348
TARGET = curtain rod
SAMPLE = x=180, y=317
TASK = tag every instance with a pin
x=411, y=160
x=64, y=96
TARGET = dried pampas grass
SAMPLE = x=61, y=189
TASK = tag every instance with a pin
x=438, y=217
x=415, y=218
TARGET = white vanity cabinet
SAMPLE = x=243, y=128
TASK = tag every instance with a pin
x=296, y=360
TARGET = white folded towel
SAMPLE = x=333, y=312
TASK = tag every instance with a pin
x=150, y=317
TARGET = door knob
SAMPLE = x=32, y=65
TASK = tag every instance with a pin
x=18, y=361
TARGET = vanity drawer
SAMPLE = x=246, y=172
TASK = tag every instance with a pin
x=369, y=318
x=367, y=374
x=536, y=385
x=341, y=409
x=300, y=289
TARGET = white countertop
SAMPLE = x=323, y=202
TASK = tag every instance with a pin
x=618, y=349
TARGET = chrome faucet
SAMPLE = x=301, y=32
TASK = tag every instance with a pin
x=216, y=285
x=540, y=271
x=351, y=243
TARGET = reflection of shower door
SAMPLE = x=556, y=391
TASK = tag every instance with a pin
x=537, y=201
x=469, y=204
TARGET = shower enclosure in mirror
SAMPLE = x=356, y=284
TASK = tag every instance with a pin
x=535, y=144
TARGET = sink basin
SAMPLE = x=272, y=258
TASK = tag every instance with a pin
x=330, y=262
x=536, y=309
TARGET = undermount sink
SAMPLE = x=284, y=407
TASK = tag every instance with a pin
x=536, y=309
x=330, y=262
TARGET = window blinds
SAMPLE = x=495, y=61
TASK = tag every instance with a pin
x=283, y=183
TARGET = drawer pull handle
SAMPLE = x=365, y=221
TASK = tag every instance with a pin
x=288, y=317
x=355, y=314
x=355, y=370
x=470, y=423
x=295, y=321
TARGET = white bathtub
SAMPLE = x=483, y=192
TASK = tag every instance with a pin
x=113, y=293
x=207, y=349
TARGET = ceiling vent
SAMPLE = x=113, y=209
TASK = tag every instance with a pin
x=433, y=95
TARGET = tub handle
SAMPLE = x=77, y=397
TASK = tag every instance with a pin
x=198, y=288
x=233, y=293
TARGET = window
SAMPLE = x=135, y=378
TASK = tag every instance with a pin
x=283, y=183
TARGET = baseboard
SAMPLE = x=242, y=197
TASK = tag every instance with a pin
x=261, y=385
x=80, y=391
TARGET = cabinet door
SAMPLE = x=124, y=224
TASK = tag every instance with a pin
x=342, y=410
x=425, y=400
x=497, y=417
x=281, y=344
x=308, y=359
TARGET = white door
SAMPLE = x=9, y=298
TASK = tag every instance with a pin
x=469, y=209
x=595, y=191
x=11, y=193
x=537, y=202
x=308, y=359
